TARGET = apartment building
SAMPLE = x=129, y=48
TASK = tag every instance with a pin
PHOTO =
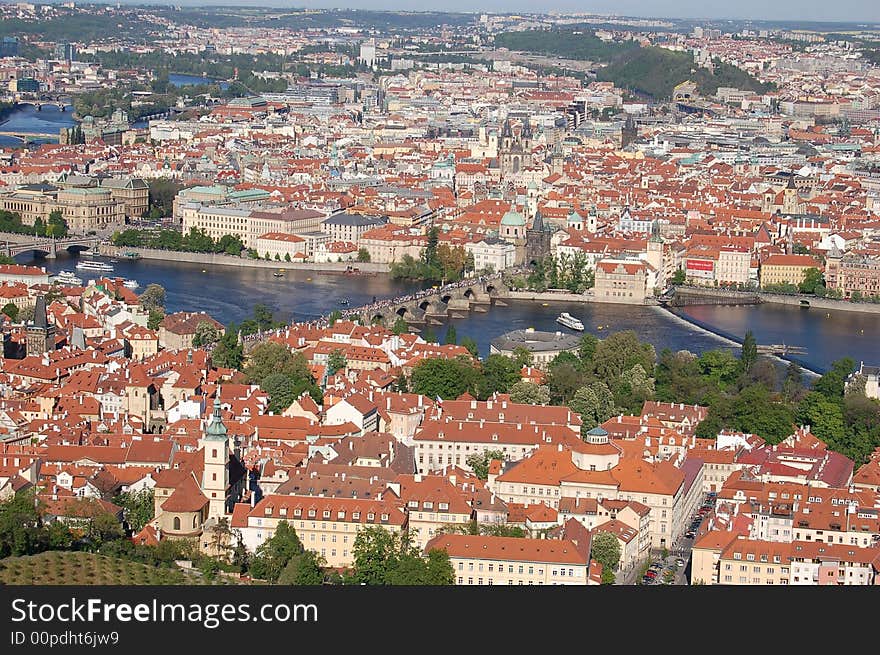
x=853, y=273
x=785, y=269
x=482, y=560
x=432, y=502
x=327, y=526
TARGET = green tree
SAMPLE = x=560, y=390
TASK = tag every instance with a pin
x=720, y=366
x=336, y=361
x=228, y=352
x=274, y=554
x=563, y=380
x=451, y=336
x=161, y=196
x=529, y=393
x=153, y=297
x=305, y=569
x=39, y=228
x=400, y=326
x=335, y=315
x=206, y=334
x=11, y=311
x=479, y=462
x=154, y=318
x=499, y=373
x=522, y=357
x=137, y=508
x=812, y=281
x=678, y=277
x=21, y=526
x=833, y=383
x=275, y=358
x=281, y=389
x=749, y=354
x=471, y=346
x=376, y=551
x=595, y=404
x=363, y=255
x=605, y=549
x=621, y=351
x=444, y=378
x=587, y=349
x=56, y=226
x=825, y=418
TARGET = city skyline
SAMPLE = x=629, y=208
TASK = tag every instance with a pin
x=846, y=11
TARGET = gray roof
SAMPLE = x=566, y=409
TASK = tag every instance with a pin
x=537, y=341
x=357, y=220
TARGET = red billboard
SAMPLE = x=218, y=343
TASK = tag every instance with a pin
x=700, y=265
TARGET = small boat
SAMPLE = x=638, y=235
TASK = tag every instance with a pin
x=343, y=301
x=277, y=274
x=131, y=284
x=114, y=261
x=570, y=321
x=308, y=279
x=204, y=271
x=545, y=304
x=68, y=277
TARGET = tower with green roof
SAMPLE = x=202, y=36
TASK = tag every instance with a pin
x=215, y=446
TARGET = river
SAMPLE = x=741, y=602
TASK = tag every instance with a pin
x=27, y=120
x=229, y=294
x=178, y=79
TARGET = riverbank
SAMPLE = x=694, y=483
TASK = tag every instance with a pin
x=216, y=259
x=730, y=339
x=805, y=301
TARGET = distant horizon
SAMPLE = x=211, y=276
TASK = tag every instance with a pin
x=843, y=11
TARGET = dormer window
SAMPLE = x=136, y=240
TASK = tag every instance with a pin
x=297, y=512
x=355, y=516
x=268, y=510
x=326, y=514
x=283, y=511
x=371, y=516
x=443, y=506
x=384, y=517
x=312, y=513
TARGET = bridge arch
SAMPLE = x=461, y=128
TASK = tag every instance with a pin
x=377, y=318
x=469, y=294
x=445, y=298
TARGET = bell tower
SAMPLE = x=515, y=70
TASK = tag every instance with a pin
x=215, y=445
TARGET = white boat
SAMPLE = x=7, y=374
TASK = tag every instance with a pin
x=68, y=277
x=131, y=284
x=94, y=266
x=570, y=321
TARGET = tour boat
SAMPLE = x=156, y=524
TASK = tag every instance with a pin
x=68, y=277
x=94, y=266
x=570, y=321
x=131, y=284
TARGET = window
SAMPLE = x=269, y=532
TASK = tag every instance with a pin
x=326, y=514
x=177, y=523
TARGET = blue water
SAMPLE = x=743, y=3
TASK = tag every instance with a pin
x=189, y=80
x=26, y=119
x=229, y=294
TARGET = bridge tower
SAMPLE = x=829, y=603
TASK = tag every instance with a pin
x=40, y=334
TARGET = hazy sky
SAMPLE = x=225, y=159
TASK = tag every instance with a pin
x=837, y=10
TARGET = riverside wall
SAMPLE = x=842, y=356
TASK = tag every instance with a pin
x=240, y=262
x=718, y=296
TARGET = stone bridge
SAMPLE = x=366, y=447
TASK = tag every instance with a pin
x=432, y=306
x=46, y=246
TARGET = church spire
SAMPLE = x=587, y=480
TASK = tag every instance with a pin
x=216, y=429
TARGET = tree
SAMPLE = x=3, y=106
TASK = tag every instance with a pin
x=793, y=389
x=335, y=315
x=499, y=373
x=720, y=366
x=270, y=358
x=587, y=349
x=833, y=383
x=605, y=549
x=749, y=354
x=382, y=557
x=621, y=351
x=595, y=404
x=10, y=310
x=263, y=317
x=228, y=352
x=363, y=255
x=274, y=554
x=26, y=314
x=21, y=527
x=336, y=361
x=39, y=227
x=678, y=277
x=400, y=326
x=825, y=418
x=305, y=569
x=444, y=378
x=161, y=196
x=529, y=393
x=522, y=357
x=206, y=334
x=56, y=226
x=812, y=281
x=451, y=335
x=479, y=462
x=471, y=346
x=153, y=297
x=137, y=508
x=154, y=318
x=281, y=389
x=563, y=379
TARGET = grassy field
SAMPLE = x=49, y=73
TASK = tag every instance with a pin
x=75, y=568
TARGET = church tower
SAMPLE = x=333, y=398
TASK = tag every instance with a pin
x=790, y=198
x=215, y=445
x=40, y=334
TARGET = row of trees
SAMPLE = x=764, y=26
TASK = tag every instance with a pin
x=196, y=240
x=571, y=272
x=438, y=263
x=55, y=226
x=381, y=557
